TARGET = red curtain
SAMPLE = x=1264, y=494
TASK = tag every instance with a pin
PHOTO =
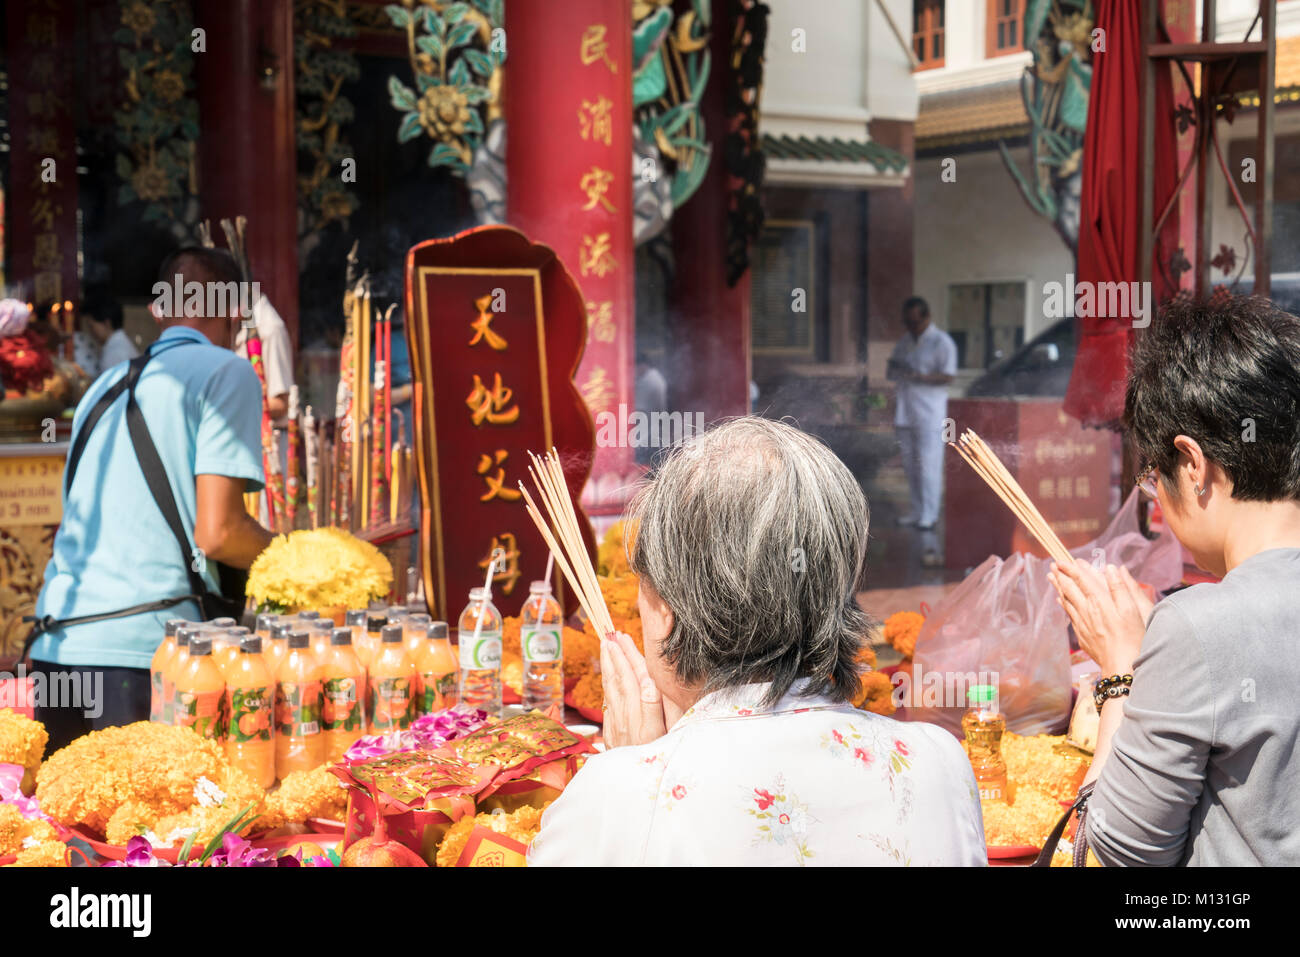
x=1110, y=240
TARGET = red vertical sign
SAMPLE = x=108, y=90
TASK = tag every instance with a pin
x=495, y=331
x=569, y=110
x=41, y=208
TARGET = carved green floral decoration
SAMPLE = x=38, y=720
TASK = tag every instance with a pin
x=323, y=112
x=158, y=122
x=456, y=51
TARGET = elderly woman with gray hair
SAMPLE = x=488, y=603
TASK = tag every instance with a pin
x=732, y=741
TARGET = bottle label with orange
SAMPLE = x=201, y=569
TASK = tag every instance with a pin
x=391, y=703
x=249, y=714
x=204, y=711
x=155, y=696
x=437, y=691
x=340, y=706
x=297, y=708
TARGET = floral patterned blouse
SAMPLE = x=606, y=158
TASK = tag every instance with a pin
x=805, y=782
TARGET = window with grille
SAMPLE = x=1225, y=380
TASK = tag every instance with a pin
x=927, y=32
x=1006, y=27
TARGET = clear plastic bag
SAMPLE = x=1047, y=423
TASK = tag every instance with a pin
x=1002, y=626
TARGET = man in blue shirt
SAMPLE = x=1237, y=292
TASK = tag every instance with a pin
x=114, y=550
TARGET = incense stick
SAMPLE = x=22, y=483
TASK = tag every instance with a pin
x=989, y=467
x=564, y=537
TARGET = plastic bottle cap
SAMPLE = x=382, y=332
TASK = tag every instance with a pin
x=184, y=633
x=240, y=632
x=397, y=610
x=299, y=639
x=438, y=630
x=169, y=629
x=419, y=619
x=392, y=633
x=356, y=617
x=265, y=621
x=375, y=622
x=478, y=594
x=251, y=645
x=321, y=624
x=982, y=694
x=223, y=622
x=376, y=605
x=280, y=631
x=308, y=615
x=539, y=588
x=200, y=647
x=341, y=636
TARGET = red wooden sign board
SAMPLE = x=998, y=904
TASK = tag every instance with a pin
x=496, y=330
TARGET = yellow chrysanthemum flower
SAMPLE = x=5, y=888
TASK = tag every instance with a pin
x=319, y=568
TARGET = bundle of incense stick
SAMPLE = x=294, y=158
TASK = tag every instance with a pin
x=989, y=467
x=566, y=542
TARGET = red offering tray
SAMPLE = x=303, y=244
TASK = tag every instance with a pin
x=1010, y=852
x=117, y=852
x=591, y=714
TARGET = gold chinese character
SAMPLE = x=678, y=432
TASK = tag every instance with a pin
x=595, y=47
x=44, y=213
x=595, y=184
x=49, y=287
x=600, y=317
x=1063, y=488
x=595, y=120
x=496, y=483
x=595, y=257
x=1046, y=488
x=482, y=326
x=1082, y=487
x=45, y=252
x=43, y=140
x=507, y=570
x=40, y=30
x=598, y=391
x=489, y=405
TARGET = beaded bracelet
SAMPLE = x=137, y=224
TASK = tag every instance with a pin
x=1112, y=687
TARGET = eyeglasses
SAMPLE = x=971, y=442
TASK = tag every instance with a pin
x=1149, y=482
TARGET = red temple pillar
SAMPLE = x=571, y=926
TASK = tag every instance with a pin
x=712, y=369
x=247, y=160
x=568, y=107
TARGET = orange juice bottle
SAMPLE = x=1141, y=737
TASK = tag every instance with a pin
x=275, y=650
x=392, y=685
x=160, y=704
x=415, y=632
x=368, y=648
x=298, y=744
x=320, y=630
x=229, y=656
x=250, y=699
x=176, y=665
x=436, y=668
x=263, y=628
x=343, y=683
x=200, y=692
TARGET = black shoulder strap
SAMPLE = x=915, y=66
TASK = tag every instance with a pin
x=155, y=476
x=133, y=370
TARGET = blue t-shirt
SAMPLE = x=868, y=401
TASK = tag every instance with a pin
x=203, y=407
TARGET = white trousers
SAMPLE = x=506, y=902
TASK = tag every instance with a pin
x=922, y=449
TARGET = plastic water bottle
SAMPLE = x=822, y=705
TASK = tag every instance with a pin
x=540, y=625
x=480, y=658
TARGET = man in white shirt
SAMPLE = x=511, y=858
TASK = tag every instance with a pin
x=277, y=358
x=105, y=321
x=923, y=363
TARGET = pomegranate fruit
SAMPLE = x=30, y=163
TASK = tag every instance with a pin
x=378, y=850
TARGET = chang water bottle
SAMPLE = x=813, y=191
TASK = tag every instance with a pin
x=540, y=624
x=480, y=653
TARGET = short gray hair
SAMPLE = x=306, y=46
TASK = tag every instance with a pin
x=755, y=535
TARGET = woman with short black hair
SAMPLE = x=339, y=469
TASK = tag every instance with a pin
x=1197, y=759
x=733, y=740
